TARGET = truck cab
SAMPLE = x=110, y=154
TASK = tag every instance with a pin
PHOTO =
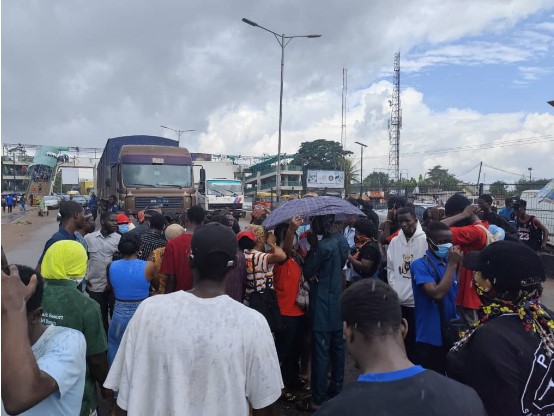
x=218, y=194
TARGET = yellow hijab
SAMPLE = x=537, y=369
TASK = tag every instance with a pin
x=65, y=259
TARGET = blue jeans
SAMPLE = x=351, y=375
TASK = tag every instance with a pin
x=122, y=314
x=325, y=346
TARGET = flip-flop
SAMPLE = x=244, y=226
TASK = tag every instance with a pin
x=288, y=397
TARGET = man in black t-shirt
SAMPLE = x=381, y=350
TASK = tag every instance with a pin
x=390, y=385
x=508, y=357
x=486, y=214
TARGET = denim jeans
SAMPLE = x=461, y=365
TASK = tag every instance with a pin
x=122, y=314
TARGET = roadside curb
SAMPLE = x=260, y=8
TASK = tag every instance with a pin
x=23, y=216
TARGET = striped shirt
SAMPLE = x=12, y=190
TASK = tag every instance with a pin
x=150, y=241
x=259, y=273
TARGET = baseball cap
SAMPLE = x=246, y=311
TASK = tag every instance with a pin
x=122, y=219
x=509, y=265
x=248, y=234
x=211, y=239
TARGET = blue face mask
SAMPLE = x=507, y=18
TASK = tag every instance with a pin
x=443, y=249
x=267, y=248
x=123, y=228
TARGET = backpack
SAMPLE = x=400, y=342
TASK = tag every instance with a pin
x=491, y=238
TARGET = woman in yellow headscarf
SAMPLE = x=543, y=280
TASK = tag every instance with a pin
x=65, y=259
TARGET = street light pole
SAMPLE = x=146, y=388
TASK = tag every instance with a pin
x=179, y=132
x=529, y=169
x=283, y=42
x=361, y=165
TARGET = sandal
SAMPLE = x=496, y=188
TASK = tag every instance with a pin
x=288, y=397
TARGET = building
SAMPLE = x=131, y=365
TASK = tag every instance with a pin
x=262, y=177
x=15, y=172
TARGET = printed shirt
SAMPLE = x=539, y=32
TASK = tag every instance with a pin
x=60, y=353
x=507, y=366
x=427, y=310
x=259, y=273
x=150, y=241
x=64, y=305
x=469, y=238
x=101, y=250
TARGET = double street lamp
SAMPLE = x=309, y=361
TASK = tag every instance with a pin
x=283, y=42
x=179, y=132
x=361, y=165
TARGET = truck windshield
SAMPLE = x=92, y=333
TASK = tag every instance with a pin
x=153, y=176
x=224, y=187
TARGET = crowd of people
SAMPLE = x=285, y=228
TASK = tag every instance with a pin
x=201, y=317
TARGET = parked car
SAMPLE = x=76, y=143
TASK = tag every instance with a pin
x=51, y=202
x=81, y=200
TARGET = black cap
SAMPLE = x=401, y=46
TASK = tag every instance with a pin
x=214, y=238
x=508, y=265
x=153, y=209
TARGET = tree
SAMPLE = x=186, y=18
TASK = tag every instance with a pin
x=351, y=174
x=440, y=178
x=498, y=189
x=321, y=154
x=377, y=181
x=525, y=185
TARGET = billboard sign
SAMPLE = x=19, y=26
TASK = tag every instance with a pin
x=325, y=179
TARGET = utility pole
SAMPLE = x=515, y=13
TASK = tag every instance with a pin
x=361, y=166
x=479, y=176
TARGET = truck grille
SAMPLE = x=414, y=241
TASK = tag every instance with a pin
x=224, y=206
x=142, y=202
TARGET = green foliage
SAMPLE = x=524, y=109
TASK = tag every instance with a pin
x=498, y=189
x=378, y=181
x=321, y=154
x=441, y=179
x=525, y=185
x=351, y=174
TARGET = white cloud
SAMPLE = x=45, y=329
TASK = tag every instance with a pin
x=77, y=73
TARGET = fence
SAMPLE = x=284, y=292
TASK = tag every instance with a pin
x=433, y=195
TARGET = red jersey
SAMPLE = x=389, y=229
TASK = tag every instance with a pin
x=176, y=261
x=469, y=238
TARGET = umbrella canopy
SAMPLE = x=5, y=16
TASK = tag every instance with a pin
x=547, y=193
x=311, y=207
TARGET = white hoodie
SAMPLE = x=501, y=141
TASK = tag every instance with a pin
x=400, y=255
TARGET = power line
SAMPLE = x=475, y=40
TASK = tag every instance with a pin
x=491, y=145
x=502, y=170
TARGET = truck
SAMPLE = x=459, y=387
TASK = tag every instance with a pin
x=143, y=171
x=87, y=187
x=218, y=189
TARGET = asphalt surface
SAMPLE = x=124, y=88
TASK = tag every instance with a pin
x=24, y=242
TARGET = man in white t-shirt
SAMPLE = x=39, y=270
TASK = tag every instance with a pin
x=198, y=352
x=410, y=244
x=43, y=367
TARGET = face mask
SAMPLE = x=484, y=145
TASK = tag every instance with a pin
x=267, y=248
x=123, y=228
x=442, y=250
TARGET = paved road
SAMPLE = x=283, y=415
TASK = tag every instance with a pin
x=24, y=243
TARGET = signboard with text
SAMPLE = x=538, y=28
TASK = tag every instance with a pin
x=325, y=179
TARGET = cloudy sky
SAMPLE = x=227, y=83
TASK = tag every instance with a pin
x=475, y=77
